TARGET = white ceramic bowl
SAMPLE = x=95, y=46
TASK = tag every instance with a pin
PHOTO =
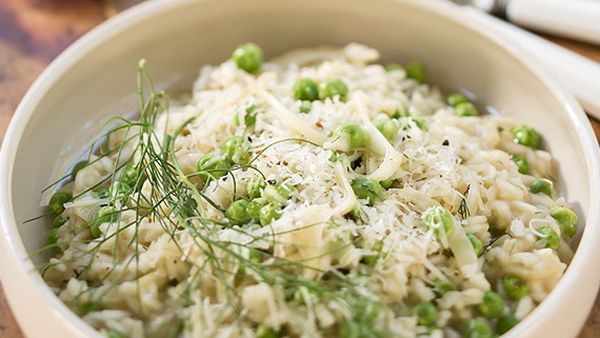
x=95, y=79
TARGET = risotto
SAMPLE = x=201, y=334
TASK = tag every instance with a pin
x=315, y=195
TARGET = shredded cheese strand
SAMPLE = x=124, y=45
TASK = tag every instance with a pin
x=377, y=142
x=291, y=120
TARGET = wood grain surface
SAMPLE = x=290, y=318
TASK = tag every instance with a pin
x=33, y=32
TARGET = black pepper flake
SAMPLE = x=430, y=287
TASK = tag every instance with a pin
x=446, y=143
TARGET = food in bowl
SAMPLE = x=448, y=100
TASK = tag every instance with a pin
x=318, y=194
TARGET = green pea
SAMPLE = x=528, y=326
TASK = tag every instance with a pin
x=212, y=167
x=392, y=67
x=53, y=240
x=306, y=89
x=566, y=218
x=477, y=328
x=277, y=193
x=236, y=150
x=366, y=188
x=514, y=287
x=254, y=206
x=437, y=218
x=416, y=70
x=354, y=134
x=332, y=88
x=248, y=57
x=455, y=99
x=542, y=185
x=550, y=236
x=477, y=245
x=386, y=184
x=466, y=109
x=505, y=323
x=442, y=287
x=80, y=165
x=255, y=186
x=249, y=115
x=58, y=221
x=388, y=127
x=269, y=213
x=57, y=201
x=371, y=260
x=130, y=176
x=526, y=136
x=106, y=214
x=521, y=162
x=237, y=212
x=305, y=107
x=492, y=305
x=427, y=313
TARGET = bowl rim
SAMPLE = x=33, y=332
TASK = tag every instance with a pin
x=17, y=257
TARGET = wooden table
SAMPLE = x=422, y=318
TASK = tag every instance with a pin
x=33, y=32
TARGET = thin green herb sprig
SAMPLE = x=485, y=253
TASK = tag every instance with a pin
x=169, y=197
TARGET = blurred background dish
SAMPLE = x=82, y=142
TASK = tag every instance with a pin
x=576, y=19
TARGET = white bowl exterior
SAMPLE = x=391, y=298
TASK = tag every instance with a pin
x=94, y=79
